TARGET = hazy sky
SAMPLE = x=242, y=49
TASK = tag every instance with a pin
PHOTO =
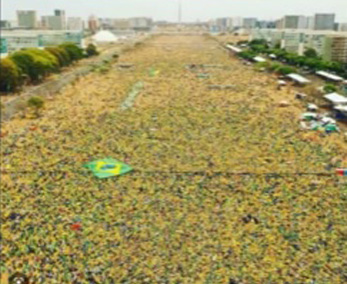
x=167, y=9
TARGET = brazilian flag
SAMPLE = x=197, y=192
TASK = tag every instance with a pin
x=108, y=167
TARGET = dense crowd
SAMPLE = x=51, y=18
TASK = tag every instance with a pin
x=226, y=188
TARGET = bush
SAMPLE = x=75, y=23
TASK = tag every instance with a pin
x=75, y=53
x=285, y=70
x=61, y=55
x=25, y=62
x=247, y=54
x=311, y=53
x=36, y=103
x=9, y=75
x=259, y=42
x=275, y=66
x=91, y=50
x=262, y=65
x=330, y=88
x=35, y=63
x=45, y=59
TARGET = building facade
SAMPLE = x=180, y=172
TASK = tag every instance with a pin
x=5, y=24
x=62, y=15
x=249, y=23
x=18, y=39
x=121, y=24
x=52, y=23
x=141, y=23
x=330, y=45
x=324, y=22
x=75, y=24
x=343, y=27
x=93, y=23
x=27, y=19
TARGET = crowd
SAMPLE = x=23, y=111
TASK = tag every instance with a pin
x=225, y=187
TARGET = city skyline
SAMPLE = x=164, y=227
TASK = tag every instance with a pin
x=202, y=10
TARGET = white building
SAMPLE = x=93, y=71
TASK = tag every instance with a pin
x=331, y=45
x=18, y=39
x=249, y=23
x=75, y=24
x=343, y=27
x=27, y=19
x=141, y=23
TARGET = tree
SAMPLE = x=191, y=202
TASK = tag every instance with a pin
x=285, y=70
x=258, y=42
x=275, y=66
x=311, y=53
x=75, y=52
x=61, y=55
x=330, y=88
x=35, y=63
x=91, y=50
x=36, y=103
x=247, y=54
x=9, y=75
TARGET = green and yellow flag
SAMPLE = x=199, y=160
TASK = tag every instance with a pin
x=108, y=167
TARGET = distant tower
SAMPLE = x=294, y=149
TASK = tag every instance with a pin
x=179, y=11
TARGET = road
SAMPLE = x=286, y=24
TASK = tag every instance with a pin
x=226, y=188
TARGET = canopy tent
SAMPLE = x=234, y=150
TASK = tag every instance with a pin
x=259, y=59
x=233, y=48
x=336, y=99
x=312, y=107
x=298, y=78
x=105, y=36
x=329, y=76
x=341, y=108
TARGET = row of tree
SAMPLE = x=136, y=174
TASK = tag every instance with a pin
x=268, y=66
x=32, y=65
x=310, y=60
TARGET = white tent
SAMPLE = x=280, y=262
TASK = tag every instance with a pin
x=105, y=36
x=336, y=99
x=233, y=48
x=329, y=76
x=298, y=78
x=259, y=59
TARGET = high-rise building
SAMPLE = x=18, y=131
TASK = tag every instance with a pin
x=237, y=22
x=335, y=48
x=324, y=21
x=5, y=24
x=249, y=23
x=223, y=24
x=52, y=23
x=93, y=23
x=310, y=23
x=291, y=22
x=27, y=19
x=294, y=22
x=343, y=27
x=55, y=22
x=62, y=15
x=266, y=24
x=75, y=24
